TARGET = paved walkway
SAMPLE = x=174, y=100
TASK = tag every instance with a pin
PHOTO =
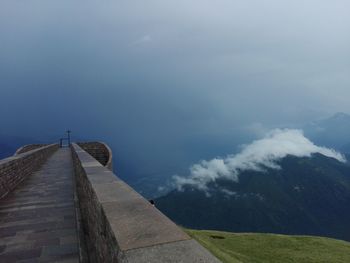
x=37, y=220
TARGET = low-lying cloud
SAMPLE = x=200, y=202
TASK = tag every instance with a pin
x=260, y=155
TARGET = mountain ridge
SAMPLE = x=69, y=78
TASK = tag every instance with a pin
x=306, y=196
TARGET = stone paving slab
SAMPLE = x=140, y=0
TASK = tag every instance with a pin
x=37, y=220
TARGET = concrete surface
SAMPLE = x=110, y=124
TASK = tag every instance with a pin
x=37, y=219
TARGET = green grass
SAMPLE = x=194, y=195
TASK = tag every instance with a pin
x=260, y=248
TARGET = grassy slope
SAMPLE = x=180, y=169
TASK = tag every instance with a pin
x=246, y=247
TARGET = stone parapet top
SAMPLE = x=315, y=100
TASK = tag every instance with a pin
x=14, y=169
x=100, y=151
x=29, y=147
x=135, y=222
x=141, y=231
x=21, y=155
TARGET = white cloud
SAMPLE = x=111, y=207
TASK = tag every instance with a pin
x=228, y=192
x=257, y=156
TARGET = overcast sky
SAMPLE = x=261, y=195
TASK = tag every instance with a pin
x=157, y=79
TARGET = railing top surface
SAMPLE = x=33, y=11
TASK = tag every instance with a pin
x=134, y=220
x=142, y=232
x=21, y=155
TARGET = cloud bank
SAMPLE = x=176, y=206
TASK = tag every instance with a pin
x=257, y=156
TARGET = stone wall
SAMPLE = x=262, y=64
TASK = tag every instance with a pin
x=121, y=226
x=100, y=151
x=29, y=147
x=14, y=169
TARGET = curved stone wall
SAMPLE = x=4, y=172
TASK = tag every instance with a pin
x=29, y=147
x=14, y=169
x=121, y=226
x=100, y=151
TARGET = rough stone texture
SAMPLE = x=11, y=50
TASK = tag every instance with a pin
x=15, y=169
x=37, y=219
x=100, y=151
x=121, y=226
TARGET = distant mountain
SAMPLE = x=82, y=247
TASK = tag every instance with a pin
x=307, y=196
x=331, y=132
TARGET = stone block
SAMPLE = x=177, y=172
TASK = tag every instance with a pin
x=121, y=226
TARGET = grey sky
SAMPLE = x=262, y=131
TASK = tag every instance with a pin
x=159, y=76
